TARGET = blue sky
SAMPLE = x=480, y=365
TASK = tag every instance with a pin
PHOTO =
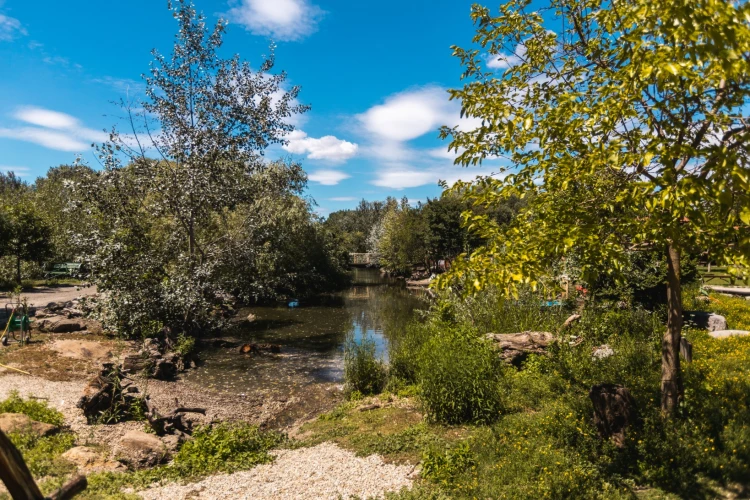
x=375, y=74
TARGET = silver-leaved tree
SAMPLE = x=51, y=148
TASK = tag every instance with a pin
x=185, y=161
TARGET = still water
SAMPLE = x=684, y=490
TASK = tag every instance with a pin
x=311, y=336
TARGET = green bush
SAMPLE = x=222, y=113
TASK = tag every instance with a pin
x=224, y=448
x=459, y=377
x=34, y=409
x=364, y=373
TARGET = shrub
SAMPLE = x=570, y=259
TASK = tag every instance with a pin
x=364, y=373
x=459, y=378
x=34, y=409
x=224, y=448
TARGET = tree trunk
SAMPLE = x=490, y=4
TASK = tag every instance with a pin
x=671, y=382
x=18, y=268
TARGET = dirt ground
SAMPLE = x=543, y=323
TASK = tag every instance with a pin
x=42, y=296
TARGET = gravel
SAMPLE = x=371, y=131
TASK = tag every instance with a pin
x=322, y=471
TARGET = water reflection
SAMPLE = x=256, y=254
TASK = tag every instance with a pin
x=312, y=338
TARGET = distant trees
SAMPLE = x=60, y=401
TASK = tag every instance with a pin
x=400, y=236
x=24, y=234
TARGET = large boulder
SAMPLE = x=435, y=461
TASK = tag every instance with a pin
x=515, y=347
x=18, y=423
x=710, y=321
x=62, y=325
x=614, y=411
x=140, y=449
x=722, y=334
x=88, y=460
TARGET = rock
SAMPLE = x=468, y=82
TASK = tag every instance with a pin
x=515, y=347
x=166, y=369
x=603, y=351
x=140, y=449
x=137, y=363
x=62, y=325
x=251, y=317
x=89, y=460
x=54, y=306
x=722, y=334
x=710, y=321
x=172, y=442
x=259, y=348
x=19, y=423
x=614, y=411
x=72, y=313
x=573, y=318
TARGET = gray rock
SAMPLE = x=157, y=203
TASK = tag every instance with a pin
x=11, y=423
x=62, y=325
x=722, y=334
x=251, y=317
x=708, y=320
x=140, y=449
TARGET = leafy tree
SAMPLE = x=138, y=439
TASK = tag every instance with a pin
x=64, y=210
x=186, y=161
x=628, y=126
x=355, y=226
x=402, y=239
x=26, y=235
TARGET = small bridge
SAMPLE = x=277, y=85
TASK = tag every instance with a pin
x=360, y=259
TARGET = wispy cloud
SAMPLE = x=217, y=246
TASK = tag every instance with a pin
x=10, y=27
x=328, y=177
x=342, y=198
x=53, y=130
x=283, y=20
x=124, y=86
x=19, y=171
x=327, y=148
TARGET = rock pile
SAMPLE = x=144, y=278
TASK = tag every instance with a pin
x=154, y=360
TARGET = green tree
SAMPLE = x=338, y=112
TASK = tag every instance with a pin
x=158, y=195
x=628, y=125
x=26, y=235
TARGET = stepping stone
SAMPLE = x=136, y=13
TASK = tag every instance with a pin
x=722, y=334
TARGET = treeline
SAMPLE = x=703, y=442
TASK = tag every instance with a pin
x=400, y=236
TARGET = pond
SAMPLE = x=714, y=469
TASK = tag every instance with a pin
x=311, y=336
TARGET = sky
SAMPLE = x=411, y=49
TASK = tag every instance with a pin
x=375, y=74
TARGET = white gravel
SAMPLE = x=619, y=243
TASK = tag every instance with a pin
x=324, y=471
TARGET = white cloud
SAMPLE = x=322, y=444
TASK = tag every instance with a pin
x=124, y=86
x=19, y=171
x=280, y=19
x=411, y=177
x=10, y=27
x=504, y=61
x=54, y=130
x=342, y=198
x=328, y=177
x=325, y=148
x=410, y=114
x=45, y=118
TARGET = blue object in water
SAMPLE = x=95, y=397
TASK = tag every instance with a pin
x=294, y=303
x=551, y=303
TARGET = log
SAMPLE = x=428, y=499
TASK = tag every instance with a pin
x=74, y=487
x=15, y=474
x=614, y=411
x=259, y=348
x=515, y=347
x=171, y=423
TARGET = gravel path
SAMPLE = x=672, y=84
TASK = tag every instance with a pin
x=323, y=471
x=41, y=296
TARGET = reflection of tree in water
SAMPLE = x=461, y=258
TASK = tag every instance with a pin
x=381, y=308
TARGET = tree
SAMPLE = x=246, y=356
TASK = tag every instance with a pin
x=26, y=235
x=628, y=128
x=185, y=161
